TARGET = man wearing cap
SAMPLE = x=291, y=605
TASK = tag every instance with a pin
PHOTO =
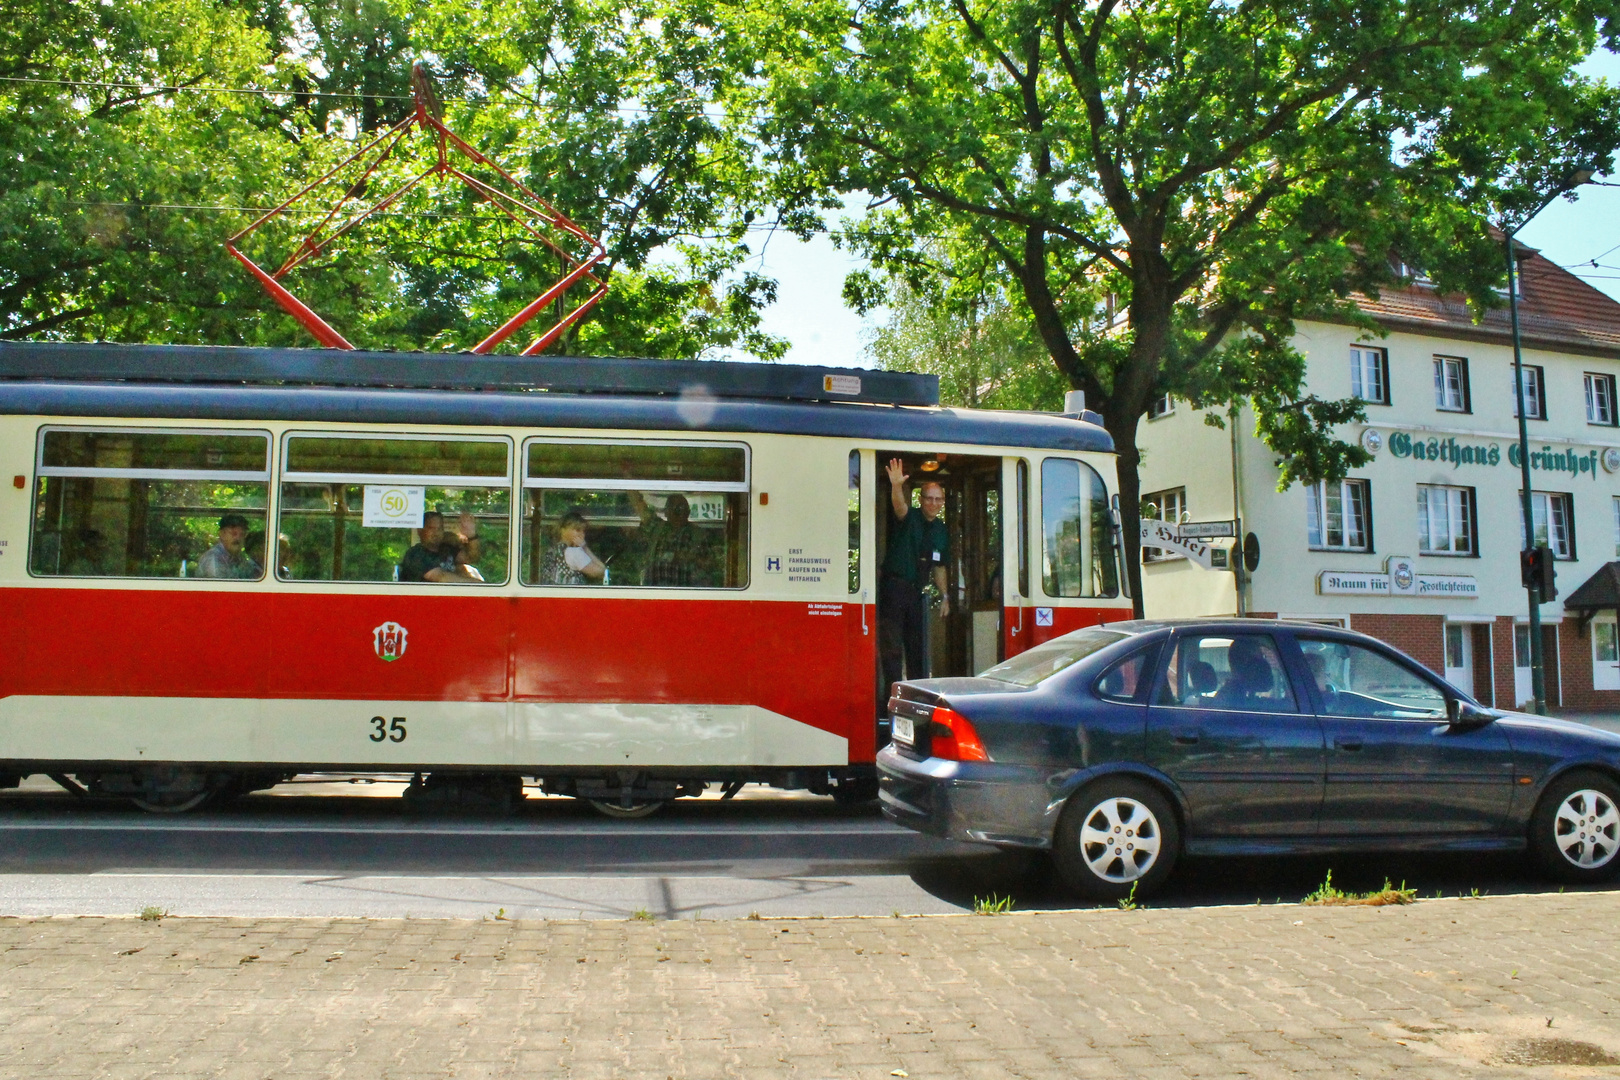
x=919, y=549
x=227, y=559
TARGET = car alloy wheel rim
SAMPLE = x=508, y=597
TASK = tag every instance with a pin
x=1587, y=829
x=1120, y=840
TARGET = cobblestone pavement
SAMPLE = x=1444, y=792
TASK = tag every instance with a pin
x=1510, y=986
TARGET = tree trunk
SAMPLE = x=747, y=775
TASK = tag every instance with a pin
x=1121, y=424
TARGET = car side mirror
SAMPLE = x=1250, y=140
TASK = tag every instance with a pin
x=1465, y=714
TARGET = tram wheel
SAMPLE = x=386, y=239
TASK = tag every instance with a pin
x=171, y=802
x=639, y=809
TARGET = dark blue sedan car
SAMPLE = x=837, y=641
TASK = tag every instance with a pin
x=1121, y=747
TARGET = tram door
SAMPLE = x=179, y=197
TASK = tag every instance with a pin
x=968, y=638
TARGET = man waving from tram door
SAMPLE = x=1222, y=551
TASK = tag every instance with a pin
x=919, y=547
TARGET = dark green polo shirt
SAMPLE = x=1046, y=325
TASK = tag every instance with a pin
x=916, y=546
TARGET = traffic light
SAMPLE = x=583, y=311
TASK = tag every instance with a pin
x=1536, y=568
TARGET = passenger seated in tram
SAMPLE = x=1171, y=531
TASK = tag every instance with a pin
x=441, y=558
x=677, y=553
x=228, y=557
x=570, y=561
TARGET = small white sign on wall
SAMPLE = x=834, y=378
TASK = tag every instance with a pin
x=394, y=506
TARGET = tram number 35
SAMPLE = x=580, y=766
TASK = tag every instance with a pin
x=392, y=730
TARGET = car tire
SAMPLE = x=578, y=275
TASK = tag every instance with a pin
x=1118, y=839
x=1575, y=830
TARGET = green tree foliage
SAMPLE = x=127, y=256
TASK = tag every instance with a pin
x=985, y=356
x=1218, y=170
x=115, y=201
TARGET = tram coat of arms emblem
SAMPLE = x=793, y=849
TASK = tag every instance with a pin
x=388, y=640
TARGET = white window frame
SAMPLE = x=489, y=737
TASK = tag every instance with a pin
x=1365, y=361
x=289, y=476
x=1161, y=406
x=615, y=484
x=1443, y=397
x=1535, y=392
x=1600, y=399
x=94, y=471
x=1177, y=495
x=1615, y=504
x=1605, y=655
x=1460, y=507
x=1554, y=513
x=1319, y=515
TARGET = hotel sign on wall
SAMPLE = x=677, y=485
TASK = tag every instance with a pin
x=1398, y=578
x=1450, y=450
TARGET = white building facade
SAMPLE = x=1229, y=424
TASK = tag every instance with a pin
x=1420, y=547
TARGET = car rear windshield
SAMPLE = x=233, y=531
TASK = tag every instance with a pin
x=1043, y=661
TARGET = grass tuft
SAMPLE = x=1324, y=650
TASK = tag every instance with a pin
x=642, y=915
x=1129, y=902
x=1327, y=895
x=152, y=913
x=992, y=905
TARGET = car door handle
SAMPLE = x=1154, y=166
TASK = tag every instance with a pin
x=1186, y=738
x=1351, y=743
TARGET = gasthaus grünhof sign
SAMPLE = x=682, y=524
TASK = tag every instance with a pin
x=1574, y=461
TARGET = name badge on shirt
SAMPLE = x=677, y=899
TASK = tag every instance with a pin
x=936, y=556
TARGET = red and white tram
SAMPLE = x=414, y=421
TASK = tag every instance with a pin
x=752, y=657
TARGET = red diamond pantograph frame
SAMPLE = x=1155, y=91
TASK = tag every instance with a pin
x=529, y=212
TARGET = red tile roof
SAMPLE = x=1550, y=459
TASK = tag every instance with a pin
x=1557, y=311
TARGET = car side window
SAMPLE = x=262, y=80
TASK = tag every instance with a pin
x=1124, y=680
x=1228, y=672
x=1353, y=680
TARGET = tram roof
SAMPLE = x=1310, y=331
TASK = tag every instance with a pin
x=460, y=371
x=77, y=386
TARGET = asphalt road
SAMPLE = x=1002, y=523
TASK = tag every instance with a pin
x=352, y=849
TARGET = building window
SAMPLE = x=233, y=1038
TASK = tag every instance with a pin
x=1446, y=524
x=1168, y=506
x=1451, y=384
x=1599, y=399
x=1554, y=522
x=1163, y=405
x=1535, y=398
x=1338, y=516
x=1605, y=657
x=1369, y=375
x=1521, y=645
x=1614, y=503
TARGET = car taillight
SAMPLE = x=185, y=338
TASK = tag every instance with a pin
x=954, y=738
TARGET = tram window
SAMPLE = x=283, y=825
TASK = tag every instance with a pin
x=354, y=509
x=139, y=503
x=635, y=514
x=1078, y=556
x=854, y=522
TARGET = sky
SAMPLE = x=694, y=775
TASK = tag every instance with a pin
x=810, y=312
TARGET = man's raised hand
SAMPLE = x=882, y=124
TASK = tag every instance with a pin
x=897, y=472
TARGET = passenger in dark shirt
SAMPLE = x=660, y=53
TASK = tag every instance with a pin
x=435, y=557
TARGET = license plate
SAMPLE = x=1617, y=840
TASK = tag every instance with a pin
x=903, y=730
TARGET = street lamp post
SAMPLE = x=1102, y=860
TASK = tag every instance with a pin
x=1538, y=678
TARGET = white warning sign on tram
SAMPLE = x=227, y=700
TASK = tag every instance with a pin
x=394, y=506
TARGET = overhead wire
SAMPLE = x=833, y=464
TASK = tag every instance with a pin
x=182, y=88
